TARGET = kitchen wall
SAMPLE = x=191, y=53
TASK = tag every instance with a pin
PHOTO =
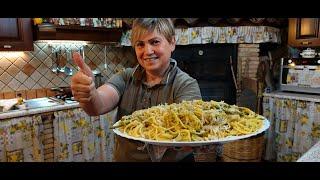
x=33, y=70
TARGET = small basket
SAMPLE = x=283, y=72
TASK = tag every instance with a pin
x=205, y=157
x=207, y=153
x=245, y=150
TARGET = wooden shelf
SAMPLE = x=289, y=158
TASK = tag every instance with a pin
x=81, y=33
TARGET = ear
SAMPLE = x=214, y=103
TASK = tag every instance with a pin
x=173, y=43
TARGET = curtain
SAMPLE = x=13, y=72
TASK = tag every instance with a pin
x=294, y=127
x=21, y=139
x=228, y=34
x=79, y=137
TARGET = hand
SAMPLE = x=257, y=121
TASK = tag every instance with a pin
x=82, y=83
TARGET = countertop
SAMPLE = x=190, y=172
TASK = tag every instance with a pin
x=312, y=155
x=296, y=96
x=27, y=112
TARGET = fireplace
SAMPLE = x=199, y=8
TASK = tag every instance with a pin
x=210, y=65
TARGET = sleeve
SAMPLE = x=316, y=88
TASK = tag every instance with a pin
x=118, y=81
x=187, y=89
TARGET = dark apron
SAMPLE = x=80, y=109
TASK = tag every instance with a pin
x=127, y=151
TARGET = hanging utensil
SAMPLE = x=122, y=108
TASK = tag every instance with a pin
x=105, y=57
x=233, y=75
x=55, y=69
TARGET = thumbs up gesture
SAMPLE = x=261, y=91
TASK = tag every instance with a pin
x=84, y=68
x=82, y=83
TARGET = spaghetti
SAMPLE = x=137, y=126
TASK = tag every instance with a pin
x=195, y=120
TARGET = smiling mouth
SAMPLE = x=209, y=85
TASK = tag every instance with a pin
x=151, y=59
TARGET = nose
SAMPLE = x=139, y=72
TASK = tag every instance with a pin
x=148, y=49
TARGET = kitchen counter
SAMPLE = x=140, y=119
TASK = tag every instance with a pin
x=312, y=155
x=27, y=112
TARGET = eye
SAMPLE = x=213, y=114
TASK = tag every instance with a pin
x=155, y=42
x=139, y=44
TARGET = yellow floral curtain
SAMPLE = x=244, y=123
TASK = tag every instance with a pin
x=295, y=127
x=20, y=139
x=229, y=34
x=79, y=137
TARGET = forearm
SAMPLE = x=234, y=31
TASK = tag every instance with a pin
x=102, y=100
x=94, y=105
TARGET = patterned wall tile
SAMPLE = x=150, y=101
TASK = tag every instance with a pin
x=21, y=76
x=46, y=49
x=101, y=56
x=35, y=62
x=20, y=62
x=92, y=65
x=64, y=84
x=6, y=89
x=36, y=86
x=5, y=78
x=36, y=48
x=1, y=71
x=48, y=62
x=41, y=56
x=90, y=55
x=36, y=76
x=1, y=85
x=68, y=79
x=14, y=84
x=43, y=69
x=28, y=69
x=110, y=55
x=96, y=49
x=27, y=56
x=43, y=81
x=33, y=70
x=50, y=85
x=56, y=81
x=12, y=59
x=4, y=63
x=29, y=83
x=22, y=87
x=13, y=70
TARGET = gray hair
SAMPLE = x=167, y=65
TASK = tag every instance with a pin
x=163, y=26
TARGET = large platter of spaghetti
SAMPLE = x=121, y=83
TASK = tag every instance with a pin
x=191, y=123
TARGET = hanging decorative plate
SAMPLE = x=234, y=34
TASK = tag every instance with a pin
x=257, y=20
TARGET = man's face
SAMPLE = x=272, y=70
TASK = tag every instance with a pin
x=154, y=51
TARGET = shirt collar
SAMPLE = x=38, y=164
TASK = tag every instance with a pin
x=139, y=72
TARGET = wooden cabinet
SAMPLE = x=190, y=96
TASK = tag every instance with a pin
x=304, y=32
x=78, y=33
x=16, y=34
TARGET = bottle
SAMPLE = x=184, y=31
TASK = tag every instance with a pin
x=20, y=99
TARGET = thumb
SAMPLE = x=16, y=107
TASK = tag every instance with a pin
x=81, y=64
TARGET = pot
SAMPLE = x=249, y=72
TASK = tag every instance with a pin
x=98, y=80
x=308, y=53
x=62, y=92
x=97, y=77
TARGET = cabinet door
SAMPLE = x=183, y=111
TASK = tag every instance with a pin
x=304, y=32
x=16, y=34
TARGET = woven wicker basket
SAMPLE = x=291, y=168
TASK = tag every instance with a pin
x=246, y=150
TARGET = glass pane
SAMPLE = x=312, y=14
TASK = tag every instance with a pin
x=308, y=27
x=9, y=28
